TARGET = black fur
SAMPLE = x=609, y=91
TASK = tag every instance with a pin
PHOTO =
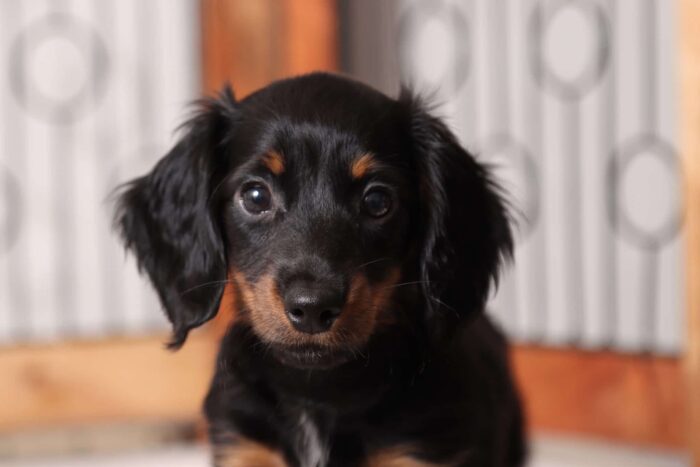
x=461, y=258
x=432, y=375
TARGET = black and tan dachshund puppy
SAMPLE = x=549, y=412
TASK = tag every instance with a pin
x=362, y=242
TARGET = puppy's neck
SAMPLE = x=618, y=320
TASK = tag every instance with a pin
x=387, y=362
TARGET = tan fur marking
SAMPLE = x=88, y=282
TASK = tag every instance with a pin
x=398, y=457
x=372, y=301
x=362, y=165
x=264, y=304
x=247, y=453
x=274, y=161
x=365, y=309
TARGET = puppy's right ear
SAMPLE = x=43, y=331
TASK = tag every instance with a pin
x=166, y=219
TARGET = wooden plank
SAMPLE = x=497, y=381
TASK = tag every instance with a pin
x=689, y=100
x=250, y=43
x=628, y=398
x=311, y=36
x=241, y=44
x=115, y=380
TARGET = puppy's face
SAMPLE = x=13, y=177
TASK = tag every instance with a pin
x=323, y=201
x=316, y=224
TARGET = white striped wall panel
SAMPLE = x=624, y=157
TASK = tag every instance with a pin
x=574, y=101
x=92, y=92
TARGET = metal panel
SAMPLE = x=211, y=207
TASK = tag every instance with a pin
x=91, y=95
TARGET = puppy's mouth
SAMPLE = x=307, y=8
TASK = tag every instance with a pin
x=310, y=356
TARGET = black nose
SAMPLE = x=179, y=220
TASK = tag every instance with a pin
x=312, y=309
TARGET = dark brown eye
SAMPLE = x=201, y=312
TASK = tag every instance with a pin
x=256, y=198
x=377, y=202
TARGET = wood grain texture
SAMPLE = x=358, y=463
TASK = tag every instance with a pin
x=689, y=106
x=627, y=398
x=114, y=380
x=311, y=36
x=251, y=43
x=240, y=40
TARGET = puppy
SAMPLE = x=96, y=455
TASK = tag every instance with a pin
x=361, y=242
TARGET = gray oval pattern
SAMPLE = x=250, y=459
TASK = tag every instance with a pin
x=544, y=75
x=415, y=18
x=621, y=220
x=92, y=51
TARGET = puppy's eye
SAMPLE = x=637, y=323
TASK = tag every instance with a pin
x=256, y=198
x=377, y=202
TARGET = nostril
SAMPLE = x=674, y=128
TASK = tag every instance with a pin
x=296, y=313
x=328, y=316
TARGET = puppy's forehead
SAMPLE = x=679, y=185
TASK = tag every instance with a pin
x=320, y=98
x=321, y=125
x=321, y=108
x=323, y=141
x=304, y=146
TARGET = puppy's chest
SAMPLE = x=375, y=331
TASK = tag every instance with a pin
x=311, y=442
x=313, y=449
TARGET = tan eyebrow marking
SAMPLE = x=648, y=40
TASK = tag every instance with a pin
x=274, y=161
x=398, y=457
x=362, y=165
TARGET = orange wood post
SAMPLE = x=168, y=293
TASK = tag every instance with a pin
x=689, y=100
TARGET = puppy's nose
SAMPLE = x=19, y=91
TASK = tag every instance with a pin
x=312, y=309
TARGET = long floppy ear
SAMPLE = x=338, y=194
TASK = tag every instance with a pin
x=464, y=222
x=167, y=220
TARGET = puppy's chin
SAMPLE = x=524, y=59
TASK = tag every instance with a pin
x=310, y=357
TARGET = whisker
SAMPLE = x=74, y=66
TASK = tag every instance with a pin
x=440, y=302
x=372, y=262
x=206, y=284
x=402, y=284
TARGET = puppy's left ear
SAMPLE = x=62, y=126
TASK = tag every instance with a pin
x=167, y=219
x=465, y=226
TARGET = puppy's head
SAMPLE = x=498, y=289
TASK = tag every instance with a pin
x=321, y=200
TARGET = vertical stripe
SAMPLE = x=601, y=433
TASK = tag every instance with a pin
x=19, y=319
x=40, y=318
x=127, y=111
x=107, y=157
x=608, y=121
x=148, y=33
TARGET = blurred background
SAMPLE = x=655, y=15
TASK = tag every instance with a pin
x=588, y=109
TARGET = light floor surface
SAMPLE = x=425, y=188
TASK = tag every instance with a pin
x=547, y=452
